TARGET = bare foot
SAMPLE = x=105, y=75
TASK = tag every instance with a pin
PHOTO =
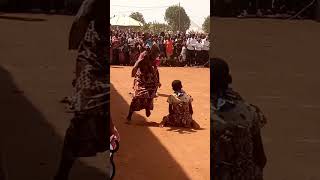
x=148, y=113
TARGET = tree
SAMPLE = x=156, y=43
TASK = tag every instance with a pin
x=157, y=28
x=138, y=16
x=172, y=18
x=206, y=25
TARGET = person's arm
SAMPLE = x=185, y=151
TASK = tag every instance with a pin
x=135, y=68
x=136, y=65
x=170, y=109
x=258, y=150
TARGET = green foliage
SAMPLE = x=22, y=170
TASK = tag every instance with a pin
x=206, y=25
x=172, y=18
x=138, y=16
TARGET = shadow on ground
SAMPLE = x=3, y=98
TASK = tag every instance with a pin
x=29, y=144
x=142, y=155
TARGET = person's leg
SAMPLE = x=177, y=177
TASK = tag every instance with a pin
x=206, y=57
x=196, y=57
x=130, y=113
x=193, y=57
x=3, y=172
x=164, y=121
x=127, y=59
x=188, y=57
x=66, y=163
x=202, y=57
x=149, y=106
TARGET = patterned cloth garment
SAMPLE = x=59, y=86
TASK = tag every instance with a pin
x=145, y=87
x=88, y=130
x=234, y=123
x=180, y=116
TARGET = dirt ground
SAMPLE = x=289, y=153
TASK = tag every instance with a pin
x=150, y=152
x=275, y=65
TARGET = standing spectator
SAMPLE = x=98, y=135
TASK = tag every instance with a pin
x=115, y=46
x=162, y=45
x=205, y=49
x=190, y=50
x=183, y=54
x=169, y=48
x=247, y=5
x=131, y=41
x=198, y=48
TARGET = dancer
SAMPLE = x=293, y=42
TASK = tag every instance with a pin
x=146, y=82
x=88, y=134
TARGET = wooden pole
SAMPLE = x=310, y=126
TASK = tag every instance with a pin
x=179, y=17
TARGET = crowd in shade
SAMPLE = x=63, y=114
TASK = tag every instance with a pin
x=176, y=49
x=266, y=8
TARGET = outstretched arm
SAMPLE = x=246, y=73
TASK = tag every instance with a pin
x=135, y=68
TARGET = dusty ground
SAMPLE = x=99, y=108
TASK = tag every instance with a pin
x=150, y=152
x=275, y=64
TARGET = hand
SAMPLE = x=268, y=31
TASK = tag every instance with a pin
x=116, y=135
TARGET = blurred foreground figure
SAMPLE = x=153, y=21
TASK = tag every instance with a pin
x=88, y=133
x=3, y=173
x=237, y=151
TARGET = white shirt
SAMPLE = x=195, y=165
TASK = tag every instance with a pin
x=183, y=51
x=205, y=45
x=131, y=41
x=198, y=46
x=191, y=43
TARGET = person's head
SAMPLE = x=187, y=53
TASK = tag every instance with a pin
x=176, y=85
x=219, y=75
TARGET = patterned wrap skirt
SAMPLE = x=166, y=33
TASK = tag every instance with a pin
x=88, y=130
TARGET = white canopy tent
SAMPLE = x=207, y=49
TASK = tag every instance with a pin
x=194, y=28
x=124, y=21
